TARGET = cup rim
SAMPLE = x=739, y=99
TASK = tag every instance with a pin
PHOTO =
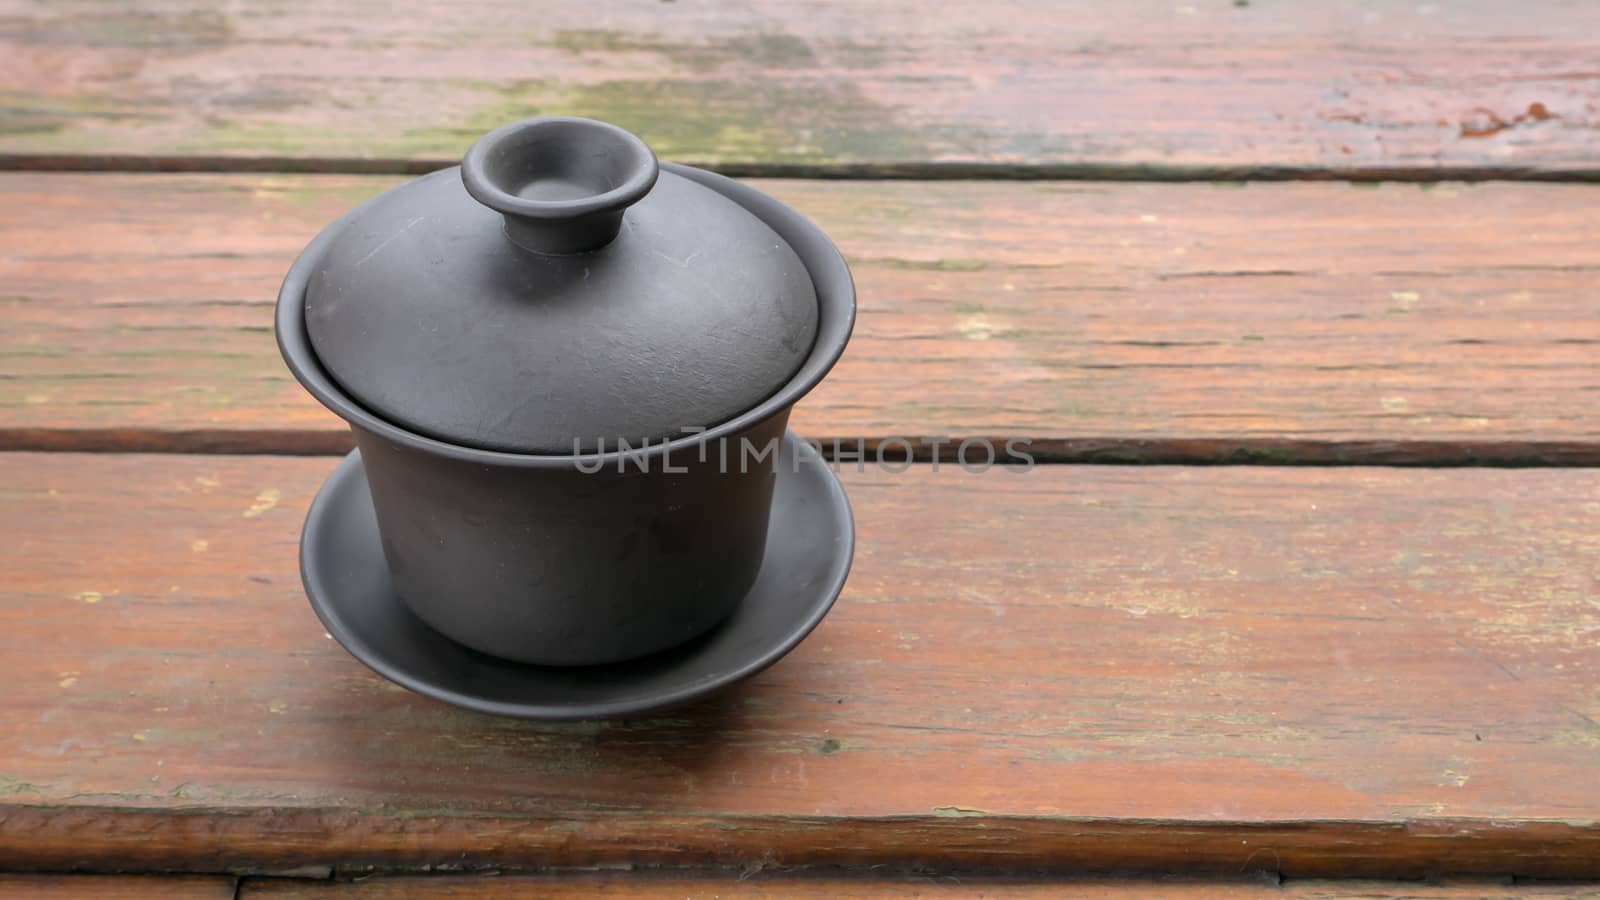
x=836, y=310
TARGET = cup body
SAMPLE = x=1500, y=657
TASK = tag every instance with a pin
x=597, y=562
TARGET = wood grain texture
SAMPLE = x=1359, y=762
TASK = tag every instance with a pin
x=1189, y=88
x=1300, y=671
x=116, y=887
x=1179, y=323
x=863, y=888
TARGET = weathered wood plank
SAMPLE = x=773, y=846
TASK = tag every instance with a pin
x=1287, y=322
x=116, y=887
x=1374, y=86
x=837, y=888
x=1305, y=671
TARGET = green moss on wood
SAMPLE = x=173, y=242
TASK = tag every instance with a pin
x=778, y=121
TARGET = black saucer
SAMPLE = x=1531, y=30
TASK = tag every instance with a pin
x=809, y=548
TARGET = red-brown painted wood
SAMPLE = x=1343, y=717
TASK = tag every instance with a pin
x=1304, y=671
x=1277, y=323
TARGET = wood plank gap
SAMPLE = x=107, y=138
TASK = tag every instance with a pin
x=894, y=171
x=891, y=451
x=244, y=841
x=755, y=880
x=120, y=886
x=860, y=886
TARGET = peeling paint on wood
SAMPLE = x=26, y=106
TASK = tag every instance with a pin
x=1320, y=87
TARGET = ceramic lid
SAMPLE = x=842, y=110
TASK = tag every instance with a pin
x=555, y=291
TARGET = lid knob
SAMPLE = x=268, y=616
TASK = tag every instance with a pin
x=561, y=183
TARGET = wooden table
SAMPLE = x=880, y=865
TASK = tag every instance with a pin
x=1298, y=302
